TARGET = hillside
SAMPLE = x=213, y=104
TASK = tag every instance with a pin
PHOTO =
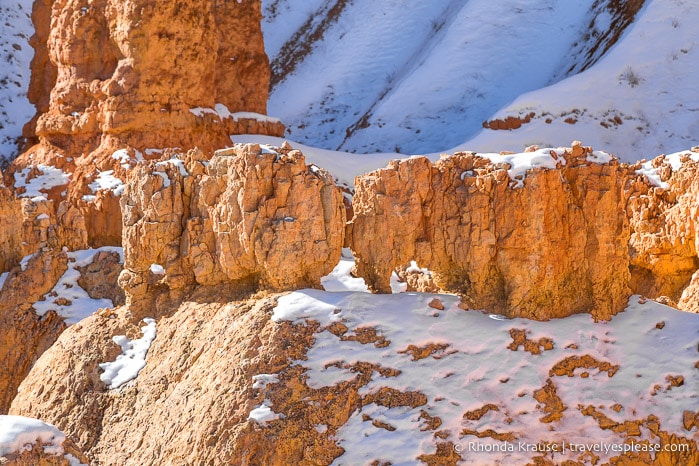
x=424, y=79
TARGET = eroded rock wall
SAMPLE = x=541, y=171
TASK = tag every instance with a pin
x=11, y=231
x=554, y=247
x=664, y=232
x=136, y=76
x=25, y=334
x=248, y=214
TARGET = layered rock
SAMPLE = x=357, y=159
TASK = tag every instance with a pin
x=664, y=230
x=248, y=215
x=552, y=247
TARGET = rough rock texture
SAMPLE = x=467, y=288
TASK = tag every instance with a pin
x=191, y=402
x=664, y=234
x=109, y=75
x=25, y=335
x=135, y=70
x=550, y=249
x=11, y=231
x=100, y=278
x=189, y=405
x=247, y=215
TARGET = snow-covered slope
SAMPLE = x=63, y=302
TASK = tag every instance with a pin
x=640, y=100
x=366, y=76
x=15, y=56
x=497, y=389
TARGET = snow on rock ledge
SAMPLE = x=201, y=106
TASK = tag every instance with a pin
x=25, y=441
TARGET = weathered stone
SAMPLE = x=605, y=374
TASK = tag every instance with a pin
x=552, y=248
x=250, y=214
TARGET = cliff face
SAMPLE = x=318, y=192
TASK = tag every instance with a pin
x=10, y=234
x=134, y=70
x=664, y=240
x=26, y=335
x=250, y=214
x=115, y=82
x=550, y=248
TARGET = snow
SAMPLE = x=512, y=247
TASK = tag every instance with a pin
x=263, y=413
x=464, y=376
x=166, y=179
x=414, y=268
x=105, y=181
x=15, y=56
x=157, y=269
x=254, y=116
x=25, y=261
x=345, y=166
x=426, y=76
x=647, y=80
x=18, y=433
x=49, y=177
x=179, y=163
x=341, y=279
x=67, y=298
x=222, y=112
x=3, y=277
x=674, y=160
x=133, y=358
x=126, y=159
x=423, y=79
x=262, y=380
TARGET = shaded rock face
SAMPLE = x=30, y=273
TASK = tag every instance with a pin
x=11, y=231
x=201, y=348
x=247, y=215
x=26, y=335
x=555, y=247
x=664, y=234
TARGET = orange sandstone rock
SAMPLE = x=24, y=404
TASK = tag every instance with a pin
x=247, y=215
x=552, y=248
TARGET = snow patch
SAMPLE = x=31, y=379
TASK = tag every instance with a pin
x=67, y=298
x=49, y=177
x=463, y=377
x=18, y=433
x=263, y=413
x=133, y=358
x=262, y=380
x=674, y=160
x=15, y=55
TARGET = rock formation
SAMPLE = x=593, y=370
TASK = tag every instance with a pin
x=26, y=335
x=135, y=77
x=552, y=248
x=11, y=231
x=664, y=232
x=248, y=214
